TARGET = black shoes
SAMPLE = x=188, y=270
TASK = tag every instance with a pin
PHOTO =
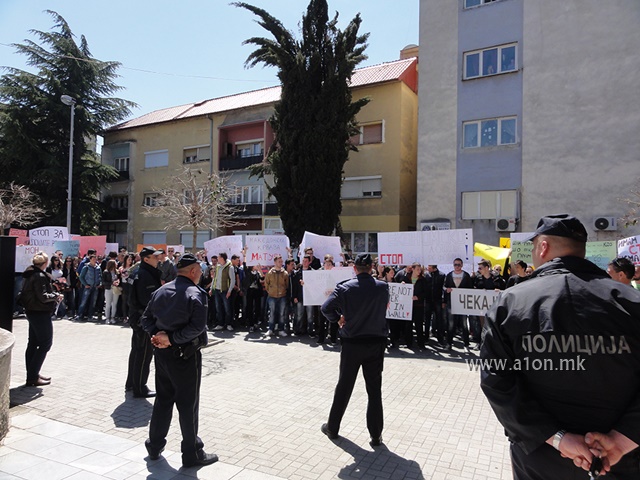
x=145, y=394
x=376, y=442
x=202, y=459
x=40, y=382
x=153, y=454
x=325, y=429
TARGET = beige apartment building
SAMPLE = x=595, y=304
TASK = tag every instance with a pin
x=379, y=186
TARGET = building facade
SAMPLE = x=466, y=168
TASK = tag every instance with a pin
x=526, y=109
x=379, y=187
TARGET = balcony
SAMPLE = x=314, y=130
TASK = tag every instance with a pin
x=271, y=209
x=248, y=210
x=123, y=176
x=239, y=163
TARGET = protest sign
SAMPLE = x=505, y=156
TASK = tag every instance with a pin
x=97, y=243
x=469, y=301
x=399, y=248
x=229, y=244
x=322, y=245
x=262, y=248
x=25, y=253
x=157, y=246
x=177, y=249
x=111, y=247
x=47, y=236
x=505, y=242
x=22, y=236
x=629, y=248
x=319, y=284
x=70, y=248
x=497, y=256
x=521, y=251
x=400, y=301
x=520, y=236
x=601, y=253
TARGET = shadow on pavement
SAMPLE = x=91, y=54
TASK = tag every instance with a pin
x=365, y=462
x=132, y=413
x=23, y=395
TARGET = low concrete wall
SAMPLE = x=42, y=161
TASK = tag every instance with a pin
x=7, y=341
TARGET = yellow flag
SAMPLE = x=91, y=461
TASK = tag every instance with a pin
x=496, y=255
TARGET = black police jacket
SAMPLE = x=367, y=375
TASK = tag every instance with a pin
x=146, y=282
x=569, y=340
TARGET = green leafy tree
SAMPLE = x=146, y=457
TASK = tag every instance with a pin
x=35, y=124
x=315, y=117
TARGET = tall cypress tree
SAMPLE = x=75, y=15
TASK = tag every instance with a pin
x=35, y=124
x=315, y=117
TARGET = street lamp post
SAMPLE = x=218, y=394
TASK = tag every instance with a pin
x=70, y=101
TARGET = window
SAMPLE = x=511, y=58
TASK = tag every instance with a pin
x=196, y=154
x=489, y=205
x=488, y=133
x=249, y=149
x=475, y=3
x=360, y=242
x=121, y=164
x=273, y=226
x=189, y=194
x=159, y=158
x=362, y=187
x=186, y=238
x=369, y=133
x=490, y=61
x=120, y=202
x=247, y=195
x=154, y=238
x=150, y=200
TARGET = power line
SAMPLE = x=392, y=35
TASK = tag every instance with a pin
x=153, y=72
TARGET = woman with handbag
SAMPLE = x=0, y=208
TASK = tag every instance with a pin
x=112, y=291
x=39, y=302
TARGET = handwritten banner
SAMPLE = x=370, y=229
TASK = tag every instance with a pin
x=69, y=248
x=629, y=248
x=25, y=253
x=322, y=245
x=229, y=244
x=521, y=251
x=431, y=247
x=469, y=301
x=262, y=248
x=319, y=284
x=601, y=253
x=47, y=236
x=111, y=247
x=22, y=236
x=400, y=301
x=97, y=243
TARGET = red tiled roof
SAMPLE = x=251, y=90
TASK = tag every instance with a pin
x=384, y=72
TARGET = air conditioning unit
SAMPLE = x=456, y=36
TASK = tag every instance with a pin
x=506, y=224
x=604, y=223
x=426, y=226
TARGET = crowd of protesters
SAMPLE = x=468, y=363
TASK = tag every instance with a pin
x=270, y=300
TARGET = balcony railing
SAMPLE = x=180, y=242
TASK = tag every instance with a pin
x=123, y=175
x=238, y=163
x=250, y=209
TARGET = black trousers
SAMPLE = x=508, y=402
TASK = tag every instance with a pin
x=40, y=341
x=139, y=362
x=545, y=463
x=177, y=382
x=439, y=326
x=371, y=357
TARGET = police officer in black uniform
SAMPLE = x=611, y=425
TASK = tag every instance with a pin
x=569, y=340
x=176, y=319
x=147, y=281
x=359, y=307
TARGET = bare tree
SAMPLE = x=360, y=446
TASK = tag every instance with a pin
x=194, y=200
x=19, y=206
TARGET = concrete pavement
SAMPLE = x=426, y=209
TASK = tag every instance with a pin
x=262, y=403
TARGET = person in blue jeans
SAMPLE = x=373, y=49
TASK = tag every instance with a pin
x=276, y=283
x=91, y=279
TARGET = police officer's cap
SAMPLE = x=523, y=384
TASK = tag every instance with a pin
x=147, y=251
x=364, y=260
x=561, y=225
x=186, y=260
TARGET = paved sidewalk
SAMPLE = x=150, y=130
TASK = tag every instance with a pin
x=262, y=404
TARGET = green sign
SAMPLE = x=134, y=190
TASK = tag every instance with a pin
x=522, y=251
x=601, y=253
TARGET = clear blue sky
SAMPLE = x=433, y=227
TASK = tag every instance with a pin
x=183, y=40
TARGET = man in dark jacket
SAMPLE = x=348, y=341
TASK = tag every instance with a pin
x=146, y=282
x=458, y=278
x=359, y=306
x=433, y=302
x=561, y=355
